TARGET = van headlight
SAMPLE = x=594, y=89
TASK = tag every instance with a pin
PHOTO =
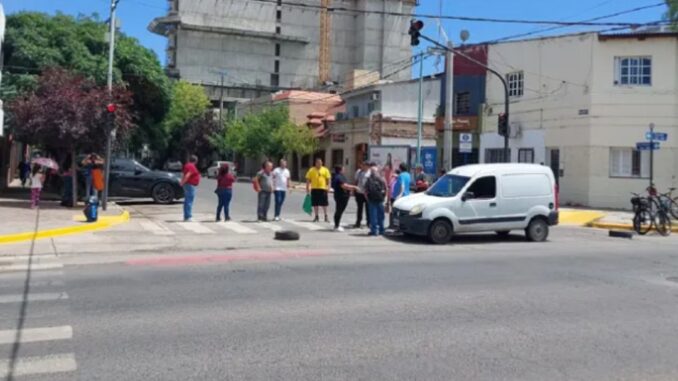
x=416, y=210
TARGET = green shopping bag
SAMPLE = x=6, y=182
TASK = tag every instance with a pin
x=308, y=208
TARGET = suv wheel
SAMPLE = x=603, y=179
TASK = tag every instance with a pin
x=163, y=193
x=440, y=232
x=537, y=230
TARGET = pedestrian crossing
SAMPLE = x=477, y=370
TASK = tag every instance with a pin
x=29, y=284
x=198, y=227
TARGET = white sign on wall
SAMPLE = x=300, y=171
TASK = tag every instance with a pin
x=465, y=143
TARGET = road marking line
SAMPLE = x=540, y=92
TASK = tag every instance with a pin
x=34, y=283
x=270, y=226
x=33, y=267
x=35, y=257
x=18, y=298
x=32, y=335
x=305, y=225
x=195, y=227
x=236, y=227
x=155, y=228
x=40, y=365
x=39, y=274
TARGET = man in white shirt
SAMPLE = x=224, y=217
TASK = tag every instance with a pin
x=281, y=183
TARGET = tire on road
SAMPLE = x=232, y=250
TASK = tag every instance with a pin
x=440, y=232
x=163, y=193
x=503, y=233
x=286, y=235
x=537, y=230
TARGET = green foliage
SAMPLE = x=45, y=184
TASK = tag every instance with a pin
x=672, y=13
x=188, y=102
x=267, y=133
x=37, y=41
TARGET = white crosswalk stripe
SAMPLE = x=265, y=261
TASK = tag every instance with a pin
x=33, y=267
x=17, y=298
x=236, y=227
x=155, y=228
x=32, y=335
x=196, y=227
x=270, y=226
x=306, y=225
x=43, y=275
x=26, y=366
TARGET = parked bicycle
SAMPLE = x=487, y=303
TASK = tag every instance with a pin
x=669, y=202
x=651, y=211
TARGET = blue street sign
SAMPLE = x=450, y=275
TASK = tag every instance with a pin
x=647, y=146
x=429, y=159
x=658, y=136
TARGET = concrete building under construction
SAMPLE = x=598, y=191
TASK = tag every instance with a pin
x=261, y=46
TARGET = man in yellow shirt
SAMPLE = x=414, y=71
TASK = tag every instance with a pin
x=317, y=185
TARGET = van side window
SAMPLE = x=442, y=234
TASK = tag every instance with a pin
x=484, y=188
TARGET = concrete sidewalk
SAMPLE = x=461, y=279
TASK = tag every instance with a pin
x=601, y=219
x=21, y=223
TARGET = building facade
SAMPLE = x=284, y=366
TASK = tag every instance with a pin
x=580, y=103
x=265, y=46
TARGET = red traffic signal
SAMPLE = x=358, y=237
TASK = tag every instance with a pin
x=111, y=107
x=502, y=124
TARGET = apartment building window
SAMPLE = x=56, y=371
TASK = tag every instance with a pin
x=370, y=107
x=628, y=162
x=276, y=66
x=275, y=80
x=277, y=30
x=277, y=50
x=355, y=111
x=526, y=155
x=633, y=71
x=337, y=157
x=515, y=83
x=496, y=155
x=278, y=15
x=463, y=103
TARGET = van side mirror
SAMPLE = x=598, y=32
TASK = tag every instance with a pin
x=468, y=196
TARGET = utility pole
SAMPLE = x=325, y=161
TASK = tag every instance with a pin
x=651, y=155
x=221, y=74
x=420, y=109
x=449, y=109
x=109, y=83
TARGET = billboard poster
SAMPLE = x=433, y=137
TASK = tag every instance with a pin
x=429, y=159
x=389, y=155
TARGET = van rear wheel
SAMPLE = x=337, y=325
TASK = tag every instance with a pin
x=440, y=232
x=537, y=230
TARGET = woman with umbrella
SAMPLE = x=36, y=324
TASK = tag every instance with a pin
x=38, y=177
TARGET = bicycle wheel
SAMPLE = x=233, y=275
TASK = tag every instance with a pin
x=674, y=208
x=642, y=222
x=663, y=224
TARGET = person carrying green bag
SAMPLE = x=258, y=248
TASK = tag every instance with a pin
x=307, y=207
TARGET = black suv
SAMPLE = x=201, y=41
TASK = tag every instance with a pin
x=131, y=179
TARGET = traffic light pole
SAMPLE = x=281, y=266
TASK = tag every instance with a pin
x=111, y=125
x=420, y=108
x=507, y=156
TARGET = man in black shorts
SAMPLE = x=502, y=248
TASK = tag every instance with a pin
x=317, y=185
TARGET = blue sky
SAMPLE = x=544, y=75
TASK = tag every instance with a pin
x=136, y=14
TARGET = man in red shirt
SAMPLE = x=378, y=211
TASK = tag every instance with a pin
x=190, y=180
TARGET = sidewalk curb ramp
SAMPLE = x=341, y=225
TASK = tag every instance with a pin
x=104, y=222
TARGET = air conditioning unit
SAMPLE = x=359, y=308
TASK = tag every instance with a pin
x=515, y=130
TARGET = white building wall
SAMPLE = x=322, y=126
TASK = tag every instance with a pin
x=570, y=103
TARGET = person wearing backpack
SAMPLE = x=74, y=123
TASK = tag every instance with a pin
x=376, y=192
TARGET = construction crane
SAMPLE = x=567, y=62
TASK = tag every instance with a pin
x=325, y=34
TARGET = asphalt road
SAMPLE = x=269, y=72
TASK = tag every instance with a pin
x=582, y=306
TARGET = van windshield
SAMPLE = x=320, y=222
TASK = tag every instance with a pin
x=448, y=186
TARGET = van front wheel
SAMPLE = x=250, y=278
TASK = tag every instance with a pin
x=440, y=232
x=537, y=230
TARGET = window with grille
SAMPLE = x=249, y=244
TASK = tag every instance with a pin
x=633, y=71
x=275, y=80
x=496, y=155
x=628, y=162
x=515, y=83
x=526, y=155
x=463, y=103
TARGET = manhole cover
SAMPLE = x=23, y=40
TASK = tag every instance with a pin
x=672, y=279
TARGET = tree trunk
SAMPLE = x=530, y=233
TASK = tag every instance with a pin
x=74, y=178
x=299, y=171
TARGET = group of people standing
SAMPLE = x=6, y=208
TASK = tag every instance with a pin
x=271, y=183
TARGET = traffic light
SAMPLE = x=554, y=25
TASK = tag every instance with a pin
x=111, y=107
x=502, y=124
x=415, y=31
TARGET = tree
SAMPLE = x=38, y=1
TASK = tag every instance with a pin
x=188, y=118
x=36, y=41
x=672, y=13
x=197, y=133
x=67, y=113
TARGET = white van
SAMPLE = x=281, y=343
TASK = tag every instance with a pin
x=480, y=198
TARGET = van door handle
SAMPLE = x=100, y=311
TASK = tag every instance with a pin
x=493, y=205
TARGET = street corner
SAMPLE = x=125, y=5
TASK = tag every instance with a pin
x=77, y=225
x=583, y=218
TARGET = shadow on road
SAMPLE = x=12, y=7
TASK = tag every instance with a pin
x=128, y=202
x=461, y=239
x=16, y=346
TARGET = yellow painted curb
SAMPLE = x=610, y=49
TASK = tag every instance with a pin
x=613, y=226
x=579, y=217
x=102, y=223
